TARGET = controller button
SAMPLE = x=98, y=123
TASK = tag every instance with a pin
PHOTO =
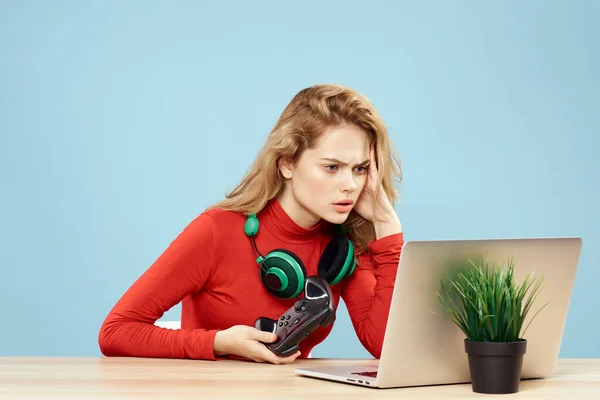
x=297, y=321
x=287, y=316
x=282, y=317
x=285, y=323
x=281, y=324
x=300, y=305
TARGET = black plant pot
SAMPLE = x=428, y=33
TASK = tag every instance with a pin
x=495, y=367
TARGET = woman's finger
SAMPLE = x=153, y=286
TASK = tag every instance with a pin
x=273, y=358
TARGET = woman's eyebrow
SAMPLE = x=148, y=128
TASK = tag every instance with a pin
x=334, y=160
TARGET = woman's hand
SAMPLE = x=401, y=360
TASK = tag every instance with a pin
x=245, y=341
x=364, y=206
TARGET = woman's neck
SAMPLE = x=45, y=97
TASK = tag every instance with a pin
x=298, y=213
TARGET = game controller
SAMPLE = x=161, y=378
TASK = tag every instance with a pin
x=305, y=316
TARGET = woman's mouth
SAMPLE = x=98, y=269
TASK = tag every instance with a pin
x=343, y=206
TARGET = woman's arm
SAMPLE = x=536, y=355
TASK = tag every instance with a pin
x=368, y=292
x=181, y=269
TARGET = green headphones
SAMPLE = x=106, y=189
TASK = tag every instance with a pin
x=283, y=273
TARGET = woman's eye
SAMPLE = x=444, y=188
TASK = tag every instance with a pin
x=362, y=170
x=331, y=168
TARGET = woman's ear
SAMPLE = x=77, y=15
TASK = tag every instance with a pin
x=285, y=167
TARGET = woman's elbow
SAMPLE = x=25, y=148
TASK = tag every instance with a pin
x=373, y=342
x=106, y=340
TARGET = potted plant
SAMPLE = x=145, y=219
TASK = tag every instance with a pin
x=486, y=303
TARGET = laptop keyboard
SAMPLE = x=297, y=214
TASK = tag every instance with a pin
x=372, y=374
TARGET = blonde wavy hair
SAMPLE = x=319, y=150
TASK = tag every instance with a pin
x=305, y=118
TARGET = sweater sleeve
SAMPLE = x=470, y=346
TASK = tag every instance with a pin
x=181, y=269
x=368, y=292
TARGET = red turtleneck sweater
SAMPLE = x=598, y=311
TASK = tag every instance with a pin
x=211, y=269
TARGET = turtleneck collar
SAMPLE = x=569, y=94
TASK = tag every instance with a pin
x=284, y=228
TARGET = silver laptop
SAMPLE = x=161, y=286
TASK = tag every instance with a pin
x=423, y=347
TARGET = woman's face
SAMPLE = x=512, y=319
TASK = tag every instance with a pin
x=334, y=171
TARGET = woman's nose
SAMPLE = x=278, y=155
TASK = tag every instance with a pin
x=349, y=183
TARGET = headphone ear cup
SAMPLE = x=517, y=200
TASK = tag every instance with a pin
x=337, y=260
x=283, y=273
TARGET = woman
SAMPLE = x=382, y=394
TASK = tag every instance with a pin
x=328, y=162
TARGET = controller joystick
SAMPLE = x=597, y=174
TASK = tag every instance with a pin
x=305, y=316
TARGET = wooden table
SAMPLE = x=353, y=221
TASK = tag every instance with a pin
x=137, y=378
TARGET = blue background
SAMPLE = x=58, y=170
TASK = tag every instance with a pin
x=120, y=121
